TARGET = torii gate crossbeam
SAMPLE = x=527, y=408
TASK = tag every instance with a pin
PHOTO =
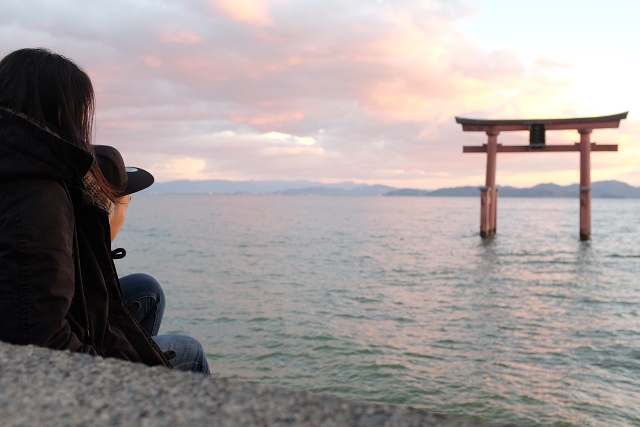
x=537, y=143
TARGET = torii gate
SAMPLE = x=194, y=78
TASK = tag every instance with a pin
x=537, y=143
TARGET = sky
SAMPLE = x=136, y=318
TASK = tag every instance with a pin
x=345, y=90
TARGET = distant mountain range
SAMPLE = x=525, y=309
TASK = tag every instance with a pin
x=602, y=189
x=296, y=188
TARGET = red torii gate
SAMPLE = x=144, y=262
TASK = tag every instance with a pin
x=537, y=143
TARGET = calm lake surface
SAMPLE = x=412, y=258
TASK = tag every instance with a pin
x=399, y=300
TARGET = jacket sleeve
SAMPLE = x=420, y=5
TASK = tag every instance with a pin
x=41, y=264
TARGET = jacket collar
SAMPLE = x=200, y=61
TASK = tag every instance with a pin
x=27, y=150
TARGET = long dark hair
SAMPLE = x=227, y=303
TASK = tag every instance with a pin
x=54, y=93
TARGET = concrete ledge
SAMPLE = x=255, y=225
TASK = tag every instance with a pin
x=40, y=387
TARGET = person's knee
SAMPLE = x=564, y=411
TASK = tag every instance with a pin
x=189, y=344
x=146, y=284
x=190, y=355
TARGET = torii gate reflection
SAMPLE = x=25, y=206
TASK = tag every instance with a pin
x=537, y=143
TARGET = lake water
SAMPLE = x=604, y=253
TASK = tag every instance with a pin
x=399, y=300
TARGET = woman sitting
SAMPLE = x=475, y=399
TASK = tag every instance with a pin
x=58, y=284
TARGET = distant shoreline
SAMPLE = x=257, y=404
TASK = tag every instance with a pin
x=600, y=189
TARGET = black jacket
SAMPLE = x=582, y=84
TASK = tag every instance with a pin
x=58, y=284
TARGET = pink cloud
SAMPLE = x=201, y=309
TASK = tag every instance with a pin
x=182, y=38
x=152, y=61
x=275, y=119
x=374, y=84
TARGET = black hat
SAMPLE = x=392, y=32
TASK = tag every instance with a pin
x=126, y=180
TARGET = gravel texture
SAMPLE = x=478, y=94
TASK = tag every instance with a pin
x=40, y=387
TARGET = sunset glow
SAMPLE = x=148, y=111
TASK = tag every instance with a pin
x=251, y=11
x=363, y=91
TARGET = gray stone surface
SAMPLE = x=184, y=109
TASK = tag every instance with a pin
x=39, y=387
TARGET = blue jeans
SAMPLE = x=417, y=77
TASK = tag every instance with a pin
x=145, y=298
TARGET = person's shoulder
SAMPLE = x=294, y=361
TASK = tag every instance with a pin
x=39, y=196
x=36, y=213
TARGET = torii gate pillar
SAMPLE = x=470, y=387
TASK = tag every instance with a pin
x=489, y=193
x=585, y=184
